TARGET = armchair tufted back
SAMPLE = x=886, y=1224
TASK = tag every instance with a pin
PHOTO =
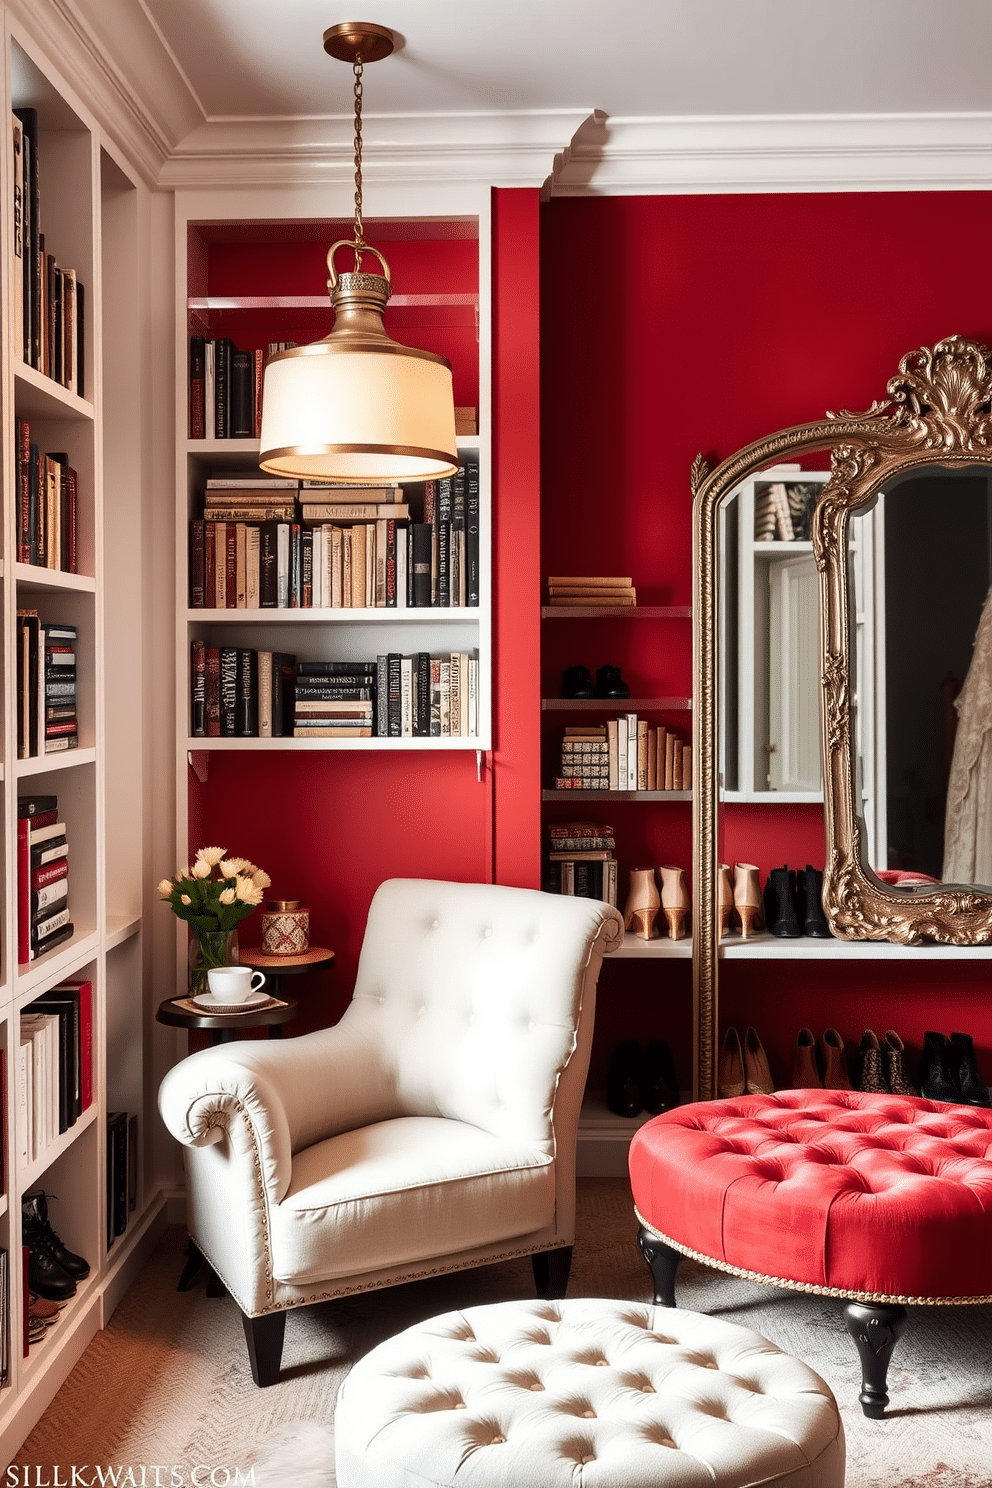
x=475, y=997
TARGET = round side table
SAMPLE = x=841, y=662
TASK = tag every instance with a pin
x=276, y=967
x=223, y=1027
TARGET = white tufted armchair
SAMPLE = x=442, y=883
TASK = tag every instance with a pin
x=432, y=1129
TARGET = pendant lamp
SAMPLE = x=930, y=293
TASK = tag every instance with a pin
x=357, y=407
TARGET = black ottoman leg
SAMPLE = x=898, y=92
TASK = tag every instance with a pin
x=663, y=1262
x=876, y=1328
x=264, y=1336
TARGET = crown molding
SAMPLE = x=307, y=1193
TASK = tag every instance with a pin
x=846, y=152
x=511, y=149
x=130, y=87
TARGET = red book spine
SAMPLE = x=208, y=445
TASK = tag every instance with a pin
x=231, y=568
x=209, y=565
x=50, y=873
x=23, y=891
x=24, y=492
x=42, y=819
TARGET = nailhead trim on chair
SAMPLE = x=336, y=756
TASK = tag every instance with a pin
x=804, y=1286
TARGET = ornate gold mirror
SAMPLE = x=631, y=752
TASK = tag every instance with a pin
x=935, y=422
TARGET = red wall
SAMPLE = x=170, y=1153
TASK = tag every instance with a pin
x=673, y=325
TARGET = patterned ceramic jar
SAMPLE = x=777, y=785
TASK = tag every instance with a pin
x=285, y=927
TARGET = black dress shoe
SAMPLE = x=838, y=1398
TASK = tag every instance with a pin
x=610, y=684
x=623, y=1079
x=45, y=1275
x=934, y=1075
x=964, y=1067
x=780, y=904
x=34, y=1209
x=659, y=1082
x=577, y=683
x=809, y=896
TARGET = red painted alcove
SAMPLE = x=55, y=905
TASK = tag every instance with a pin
x=673, y=325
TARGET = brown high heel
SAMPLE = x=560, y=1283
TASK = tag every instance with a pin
x=674, y=900
x=757, y=1075
x=835, y=1076
x=805, y=1075
x=747, y=898
x=730, y=1073
x=725, y=897
x=642, y=904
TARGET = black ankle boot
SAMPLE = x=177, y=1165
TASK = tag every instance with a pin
x=934, y=1075
x=34, y=1211
x=577, y=683
x=659, y=1083
x=809, y=894
x=623, y=1079
x=45, y=1275
x=610, y=684
x=964, y=1067
x=780, y=904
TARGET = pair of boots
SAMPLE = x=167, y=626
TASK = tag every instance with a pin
x=641, y=1079
x=644, y=902
x=948, y=1070
x=739, y=898
x=743, y=1067
x=577, y=683
x=53, y=1270
x=794, y=903
x=882, y=1068
x=829, y=1072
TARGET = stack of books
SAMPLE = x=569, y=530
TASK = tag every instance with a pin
x=642, y=756
x=55, y=1065
x=466, y=421
x=46, y=299
x=427, y=697
x=601, y=593
x=225, y=388
x=334, y=700
x=581, y=862
x=46, y=505
x=240, y=693
x=584, y=758
x=42, y=877
x=46, y=686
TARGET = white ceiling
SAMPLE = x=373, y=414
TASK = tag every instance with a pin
x=636, y=57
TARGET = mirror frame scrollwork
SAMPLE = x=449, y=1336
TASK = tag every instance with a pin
x=938, y=413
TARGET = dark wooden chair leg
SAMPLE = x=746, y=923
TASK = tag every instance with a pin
x=663, y=1262
x=551, y=1272
x=876, y=1328
x=194, y=1265
x=264, y=1336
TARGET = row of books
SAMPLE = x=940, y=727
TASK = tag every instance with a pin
x=783, y=510
x=567, y=591
x=46, y=505
x=47, y=299
x=55, y=1066
x=225, y=387
x=580, y=860
x=241, y=693
x=626, y=754
x=42, y=877
x=269, y=544
x=122, y=1171
x=47, y=721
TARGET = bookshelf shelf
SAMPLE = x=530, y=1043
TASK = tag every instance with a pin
x=447, y=745
x=427, y=615
x=37, y=396
x=616, y=612
x=44, y=764
x=244, y=452
x=320, y=302
x=31, y=576
x=633, y=948
x=614, y=705
x=35, y=1170
x=615, y=795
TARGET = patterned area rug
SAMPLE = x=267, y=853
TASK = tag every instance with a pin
x=166, y=1384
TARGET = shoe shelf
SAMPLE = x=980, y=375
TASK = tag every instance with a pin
x=634, y=948
x=615, y=795
x=617, y=612
x=767, y=947
x=613, y=705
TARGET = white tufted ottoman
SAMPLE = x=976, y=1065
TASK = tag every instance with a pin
x=584, y=1393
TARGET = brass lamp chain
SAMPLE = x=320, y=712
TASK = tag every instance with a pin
x=359, y=237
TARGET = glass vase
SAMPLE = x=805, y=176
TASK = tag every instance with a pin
x=206, y=949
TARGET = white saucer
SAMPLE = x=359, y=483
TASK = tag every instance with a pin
x=213, y=1004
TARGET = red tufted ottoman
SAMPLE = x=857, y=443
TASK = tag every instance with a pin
x=885, y=1200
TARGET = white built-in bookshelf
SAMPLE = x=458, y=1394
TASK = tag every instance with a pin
x=211, y=229
x=91, y=209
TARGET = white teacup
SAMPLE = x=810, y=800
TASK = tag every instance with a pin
x=234, y=983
